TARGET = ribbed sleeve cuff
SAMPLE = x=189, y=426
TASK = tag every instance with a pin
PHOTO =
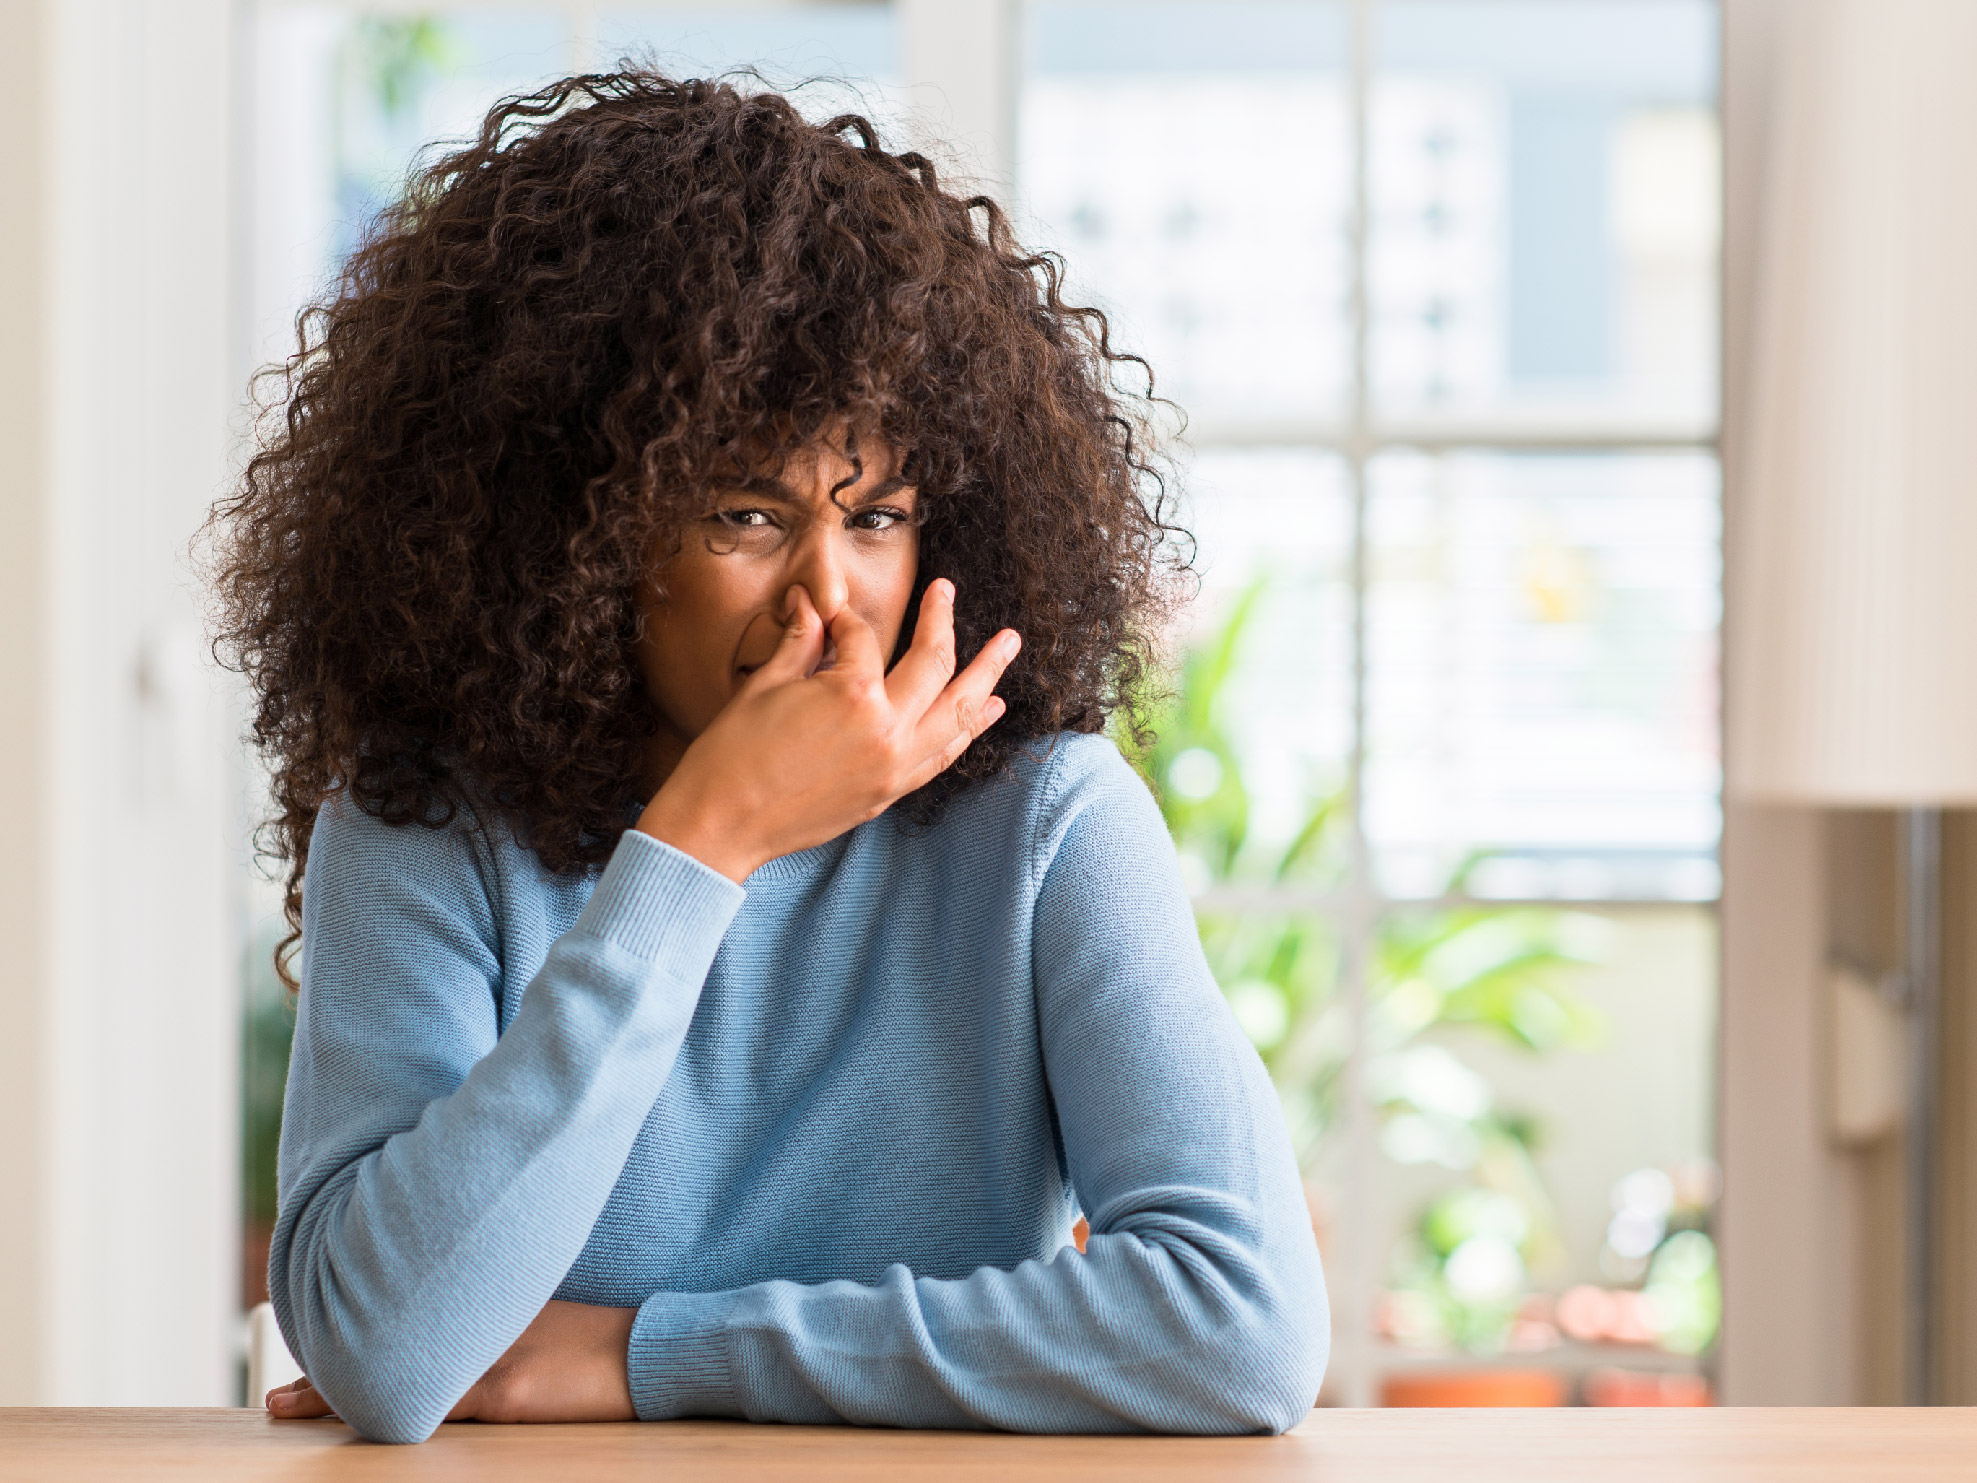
x=652, y=896
x=678, y=1359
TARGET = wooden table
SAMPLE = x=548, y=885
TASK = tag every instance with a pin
x=1587, y=1446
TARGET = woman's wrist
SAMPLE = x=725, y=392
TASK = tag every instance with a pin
x=673, y=819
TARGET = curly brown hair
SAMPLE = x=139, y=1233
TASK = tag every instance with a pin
x=543, y=359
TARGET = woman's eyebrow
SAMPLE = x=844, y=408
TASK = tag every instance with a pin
x=764, y=487
x=761, y=487
x=886, y=487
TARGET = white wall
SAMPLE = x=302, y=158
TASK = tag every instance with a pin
x=118, y=1068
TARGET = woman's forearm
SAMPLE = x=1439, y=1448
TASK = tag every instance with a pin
x=1199, y=1315
x=430, y=1211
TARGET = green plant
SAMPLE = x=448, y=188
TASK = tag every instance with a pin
x=1502, y=974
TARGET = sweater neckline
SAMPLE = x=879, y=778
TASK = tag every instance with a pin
x=803, y=864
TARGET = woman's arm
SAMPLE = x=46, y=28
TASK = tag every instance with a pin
x=1198, y=1305
x=437, y=1184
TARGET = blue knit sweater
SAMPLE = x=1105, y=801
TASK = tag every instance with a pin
x=828, y=1133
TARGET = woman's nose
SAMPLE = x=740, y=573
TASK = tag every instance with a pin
x=819, y=570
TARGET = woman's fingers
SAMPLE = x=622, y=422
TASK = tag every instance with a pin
x=967, y=706
x=928, y=664
x=801, y=646
x=468, y=1406
x=297, y=1401
x=857, y=645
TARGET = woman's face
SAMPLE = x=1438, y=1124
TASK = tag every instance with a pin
x=722, y=610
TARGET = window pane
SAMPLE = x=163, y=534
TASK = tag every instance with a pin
x=1542, y=695
x=1251, y=769
x=1253, y=758
x=1544, y=211
x=1542, y=1078
x=1192, y=162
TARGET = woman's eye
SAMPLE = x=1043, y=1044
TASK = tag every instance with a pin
x=742, y=518
x=880, y=519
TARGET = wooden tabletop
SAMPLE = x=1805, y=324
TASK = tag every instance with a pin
x=1587, y=1446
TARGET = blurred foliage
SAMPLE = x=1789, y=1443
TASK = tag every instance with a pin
x=1659, y=1241
x=1278, y=968
x=392, y=59
x=1685, y=1292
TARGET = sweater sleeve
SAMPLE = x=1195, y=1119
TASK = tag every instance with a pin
x=439, y=1178
x=1199, y=1304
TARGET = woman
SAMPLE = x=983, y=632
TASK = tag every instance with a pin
x=652, y=467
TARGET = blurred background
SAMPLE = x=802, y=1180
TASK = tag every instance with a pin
x=1457, y=299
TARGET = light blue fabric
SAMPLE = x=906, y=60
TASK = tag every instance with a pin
x=828, y=1134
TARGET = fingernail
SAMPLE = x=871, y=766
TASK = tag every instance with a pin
x=1013, y=645
x=996, y=707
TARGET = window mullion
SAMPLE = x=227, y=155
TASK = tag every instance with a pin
x=1357, y=1252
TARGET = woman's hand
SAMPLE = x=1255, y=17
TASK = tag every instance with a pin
x=569, y=1365
x=801, y=754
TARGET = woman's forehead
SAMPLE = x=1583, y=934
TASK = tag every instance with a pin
x=842, y=457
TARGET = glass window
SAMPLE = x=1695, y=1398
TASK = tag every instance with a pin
x=1544, y=211
x=857, y=43
x=1541, y=677
x=1190, y=161
x=1274, y=548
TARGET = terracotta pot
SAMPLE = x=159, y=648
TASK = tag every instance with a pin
x=1473, y=1388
